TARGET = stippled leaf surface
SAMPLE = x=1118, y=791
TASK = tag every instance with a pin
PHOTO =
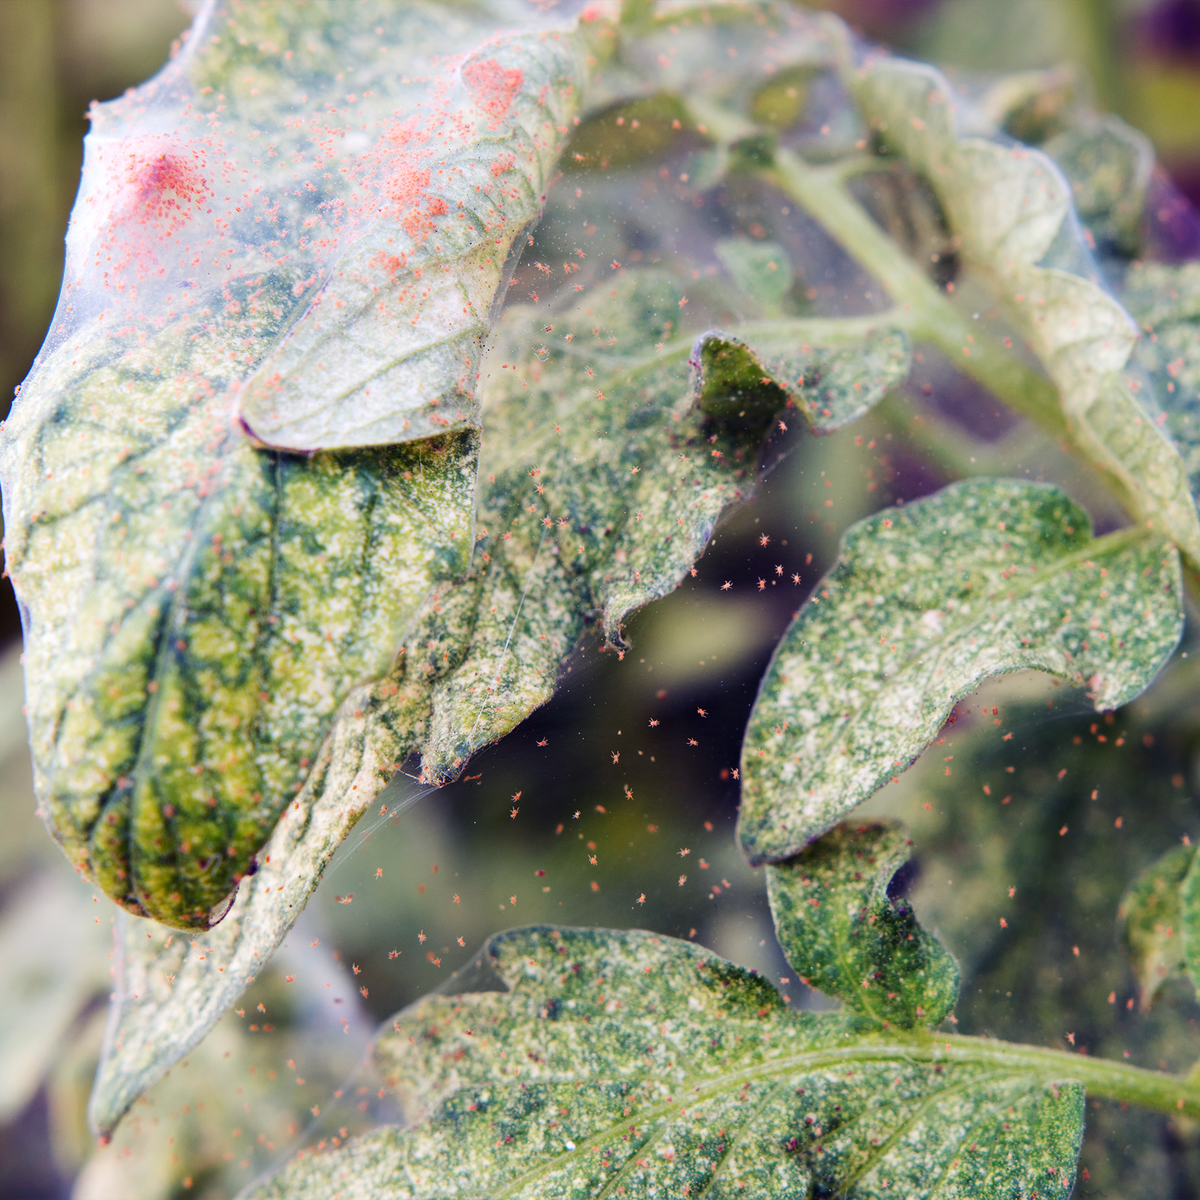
x=922, y=605
x=607, y=462
x=1108, y=166
x=838, y=369
x=1165, y=301
x=847, y=936
x=626, y=1063
x=600, y=487
x=249, y=261
x=1010, y=207
x=1152, y=923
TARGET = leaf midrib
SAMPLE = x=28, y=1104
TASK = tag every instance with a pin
x=1153, y=1089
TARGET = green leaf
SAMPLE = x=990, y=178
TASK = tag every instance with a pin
x=1153, y=924
x=1165, y=300
x=761, y=269
x=612, y=1063
x=1010, y=209
x=198, y=607
x=845, y=935
x=1108, y=165
x=849, y=367
x=922, y=605
x=1160, y=923
x=600, y=490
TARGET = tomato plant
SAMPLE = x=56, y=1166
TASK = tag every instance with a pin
x=405, y=355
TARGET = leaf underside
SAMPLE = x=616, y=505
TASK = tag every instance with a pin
x=1011, y=211
x=922, y=605
x=629, y=1063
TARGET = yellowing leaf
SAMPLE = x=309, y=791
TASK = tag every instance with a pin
x=282, y=233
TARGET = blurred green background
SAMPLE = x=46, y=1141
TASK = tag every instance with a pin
x=645, y=838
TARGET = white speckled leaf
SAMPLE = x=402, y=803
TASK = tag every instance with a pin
x=845, y=935
x=604, y=483
x=480, y=654
x=1010, y=208
x=1165, y=300
x=922, y=605
x=836, y=370
x=198, y=608
x=625, y=1063
x=1153, y=923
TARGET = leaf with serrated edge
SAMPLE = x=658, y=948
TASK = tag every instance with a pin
x=198, y=607
x=1010, y=210
x=923, y=604
x=1151, y=921
x=485, y=652
x=625, y=1063
x=845, y=935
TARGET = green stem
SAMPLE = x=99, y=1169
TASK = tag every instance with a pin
x=926, y=312
x=1100, y=1076
x=958, y=454
x=860, y=164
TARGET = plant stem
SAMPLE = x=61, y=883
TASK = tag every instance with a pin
x=928, y=315
x=957, y=453
x=1156, y=1090
x=1100, y=1076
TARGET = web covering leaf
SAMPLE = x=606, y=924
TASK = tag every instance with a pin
x=198, y=607
x=1011, y=209
x=601, y=489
